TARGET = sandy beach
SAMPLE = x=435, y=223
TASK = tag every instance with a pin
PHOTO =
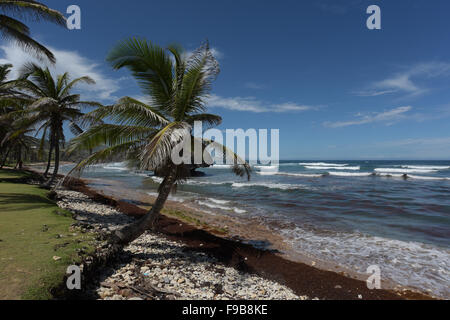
x=171, y=261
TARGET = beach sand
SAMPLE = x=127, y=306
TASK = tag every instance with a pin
x=223, y=249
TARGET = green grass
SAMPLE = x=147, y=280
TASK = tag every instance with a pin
x=32, y=231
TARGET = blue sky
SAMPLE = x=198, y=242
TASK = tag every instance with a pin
x=312, y=69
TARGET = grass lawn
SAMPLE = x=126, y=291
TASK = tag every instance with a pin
x=33, y=230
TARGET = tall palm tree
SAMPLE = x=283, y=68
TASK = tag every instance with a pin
x=50, y=104
x=178, y=86
x=5, y=107
x=13, y=29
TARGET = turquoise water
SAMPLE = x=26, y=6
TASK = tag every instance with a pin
x=395, y=214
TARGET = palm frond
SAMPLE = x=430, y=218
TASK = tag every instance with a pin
x=240, y=167
x=202, y=68
x=129, y=111
x=109, y=135
x=12, y=32
x=157, y=153
x=32, y=9
x=73, y=83
x=151, y=66
x=211, y=120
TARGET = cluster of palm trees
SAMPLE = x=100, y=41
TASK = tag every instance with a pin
x=39, y=103
x=145, y=133
x=14, y=141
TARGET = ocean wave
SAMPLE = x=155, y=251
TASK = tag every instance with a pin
x=215, y=205
x=221, y=166
x=427, y=178
x=219, y=201
x=426, y=167
x=303, y=175
x=350, y=174
x=397, y=170
x=267, y=168
x=157, y=179
x=322, y=164
x=288, y=164
x=171, y=197
x=120, y=166
x=280, y=186
x=410, y=264
x=332, y=168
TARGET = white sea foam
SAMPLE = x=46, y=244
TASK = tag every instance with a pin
x=332, y=168
x=120, y=166
x=194, y=181
x=267, y=168
x=397, y=170
x=303, y=175
x=428, y=178
x=322, y=164
x=218, y=201
x=280, y=186
x=171, y=197
x=221, y=166
x=215, y=205
x=409, y=264
x=427, y=167
x=350, y=174
x=157, y=179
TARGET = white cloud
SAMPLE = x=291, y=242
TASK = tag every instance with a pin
x=251, y=104
x=387, y=117
x=67, y=61
x=408, y=81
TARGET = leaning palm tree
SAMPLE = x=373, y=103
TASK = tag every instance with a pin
x=178, y=86
x=50, y=104
x=13, y=29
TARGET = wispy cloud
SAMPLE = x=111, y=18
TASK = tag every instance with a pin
x=387, y=117
x=410, y=81
x=68, y=61
x=251, y=104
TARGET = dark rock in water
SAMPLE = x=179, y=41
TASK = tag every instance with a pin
x=195, y=173
x=184, y=171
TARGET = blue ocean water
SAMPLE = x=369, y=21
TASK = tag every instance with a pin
x=395, y=214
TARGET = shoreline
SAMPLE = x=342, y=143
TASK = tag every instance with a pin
x=313, y=282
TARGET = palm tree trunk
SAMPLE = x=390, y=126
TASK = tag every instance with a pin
x=5, y=157
x=134, y=230
x=55, y=171
x=19, y=159
x=49, y=162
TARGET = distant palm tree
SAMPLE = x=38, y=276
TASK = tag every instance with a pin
x=177, y=86
x=5, y=107
x=13, y=29
x=50, y=104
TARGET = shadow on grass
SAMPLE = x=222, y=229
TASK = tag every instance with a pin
x=17, y=201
